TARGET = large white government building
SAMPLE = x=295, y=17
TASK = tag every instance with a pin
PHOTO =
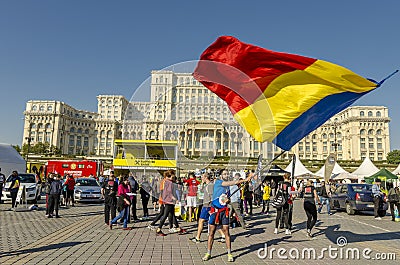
x=180, y=108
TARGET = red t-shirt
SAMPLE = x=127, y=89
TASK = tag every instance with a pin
x=70, y=183
x=192, y=185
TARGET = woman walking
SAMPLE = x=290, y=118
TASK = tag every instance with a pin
x=123, y=204
x=310, y=196
x=169, y=199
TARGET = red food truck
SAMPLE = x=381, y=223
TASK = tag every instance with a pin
x=77, y=168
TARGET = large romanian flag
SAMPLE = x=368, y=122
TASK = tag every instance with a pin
x=277, y=97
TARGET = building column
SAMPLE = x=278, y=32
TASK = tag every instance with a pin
x=222, y=143
x=193, y=139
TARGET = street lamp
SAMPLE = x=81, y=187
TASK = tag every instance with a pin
x=28, y=139
x=335, y=144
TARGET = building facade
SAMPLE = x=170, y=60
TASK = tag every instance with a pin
x=180, y=108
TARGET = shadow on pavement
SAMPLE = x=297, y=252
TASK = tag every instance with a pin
x=43, y=248
x=254, y=248
x=333, y=232
x=82, y=214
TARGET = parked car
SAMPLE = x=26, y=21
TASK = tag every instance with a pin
x=355, y=197
x=32, y=187
x=87, y=190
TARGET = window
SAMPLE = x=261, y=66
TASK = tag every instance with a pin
x=379, y=143
x=362, y=142
x=370, y=143
x=71, y=140
x=79, y=140
x=362, y=114
x=256, y=146
x=48, y=137
x=34, y=108
x=370, y=114
x=41, y=108
x=378, y=114
x=49, y=108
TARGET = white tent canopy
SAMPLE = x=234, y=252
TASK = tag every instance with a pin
x=11, y=160
x=337, y=169
x=366, y=169
x=345, y=175
x=397, y=170
x=107, y=172
x=299, y=169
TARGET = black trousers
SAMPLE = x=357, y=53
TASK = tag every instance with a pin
x=311, y=212
x=54, y=201
x=159, y=215
x=1, y=191
x=13, y=198
x=249, y=203
x=133, y=208
x=70, y=195
x=110, y=207
x=145, y=202
x=377, y=202
x=169, y=211
x=282, y=214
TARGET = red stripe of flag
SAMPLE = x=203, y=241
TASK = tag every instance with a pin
x=239, y=72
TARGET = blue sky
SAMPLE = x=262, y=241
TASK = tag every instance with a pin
x=75, y=50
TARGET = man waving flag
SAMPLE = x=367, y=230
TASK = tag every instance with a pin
x=277, y=97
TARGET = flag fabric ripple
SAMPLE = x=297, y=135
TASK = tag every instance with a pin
x=277, y=97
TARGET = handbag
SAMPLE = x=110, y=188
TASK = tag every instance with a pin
x=279, y=201
x=178, y=209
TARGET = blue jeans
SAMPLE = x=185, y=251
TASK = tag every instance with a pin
x=122, y=214
x=325, y=200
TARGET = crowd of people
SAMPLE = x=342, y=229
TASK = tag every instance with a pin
x=217, y=200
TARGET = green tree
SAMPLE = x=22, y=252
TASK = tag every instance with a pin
x=393, y=157
x=41, y=149
x=16, y=147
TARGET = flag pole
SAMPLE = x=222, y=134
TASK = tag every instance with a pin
x=386, y=78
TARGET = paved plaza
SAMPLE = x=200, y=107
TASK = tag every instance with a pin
x=81, y=237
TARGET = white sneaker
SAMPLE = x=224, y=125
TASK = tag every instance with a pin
x=152, y=228
x=288, y=232
x=378, y=218
x=276, y=231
